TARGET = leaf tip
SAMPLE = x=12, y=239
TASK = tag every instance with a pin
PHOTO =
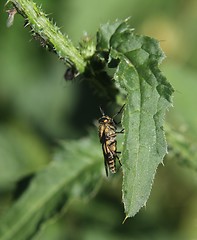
x=125, y=219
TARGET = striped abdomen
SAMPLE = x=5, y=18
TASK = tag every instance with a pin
x=112, y=165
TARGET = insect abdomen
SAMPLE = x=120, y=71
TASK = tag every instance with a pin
x=112, y=165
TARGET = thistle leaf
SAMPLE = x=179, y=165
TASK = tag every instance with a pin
x=148, y=96
x=73, y=172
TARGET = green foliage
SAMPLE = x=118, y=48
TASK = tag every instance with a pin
x=41, y=192
x=48, y=33
x=53, y=188
x=18, y=158
x=182, y=148
x=148, y=97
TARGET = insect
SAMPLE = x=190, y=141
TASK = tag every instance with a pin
x=107, y=134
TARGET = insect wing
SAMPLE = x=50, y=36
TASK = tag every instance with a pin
x=109, y=158
x=105, y=154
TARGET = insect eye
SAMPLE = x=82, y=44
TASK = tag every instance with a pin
x=103, y=120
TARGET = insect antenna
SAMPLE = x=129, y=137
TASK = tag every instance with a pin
x=102, y=112
x=118, y=111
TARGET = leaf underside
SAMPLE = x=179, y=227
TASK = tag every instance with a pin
x=148, y=97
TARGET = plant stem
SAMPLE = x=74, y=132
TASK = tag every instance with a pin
x=49, y=34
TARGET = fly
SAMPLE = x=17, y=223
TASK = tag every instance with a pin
x=107, y=135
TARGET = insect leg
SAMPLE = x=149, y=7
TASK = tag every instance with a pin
x=119, y=159
x=112, y=143
x=110, y=135
x=118, y=111
x=117, y=123
x=122, y=131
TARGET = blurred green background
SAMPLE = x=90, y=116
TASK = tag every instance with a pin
x=37, y=107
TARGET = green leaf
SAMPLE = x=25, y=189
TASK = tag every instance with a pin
x=22, y=153
x=148, y=96
x=104, y=35
x=73, y=171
